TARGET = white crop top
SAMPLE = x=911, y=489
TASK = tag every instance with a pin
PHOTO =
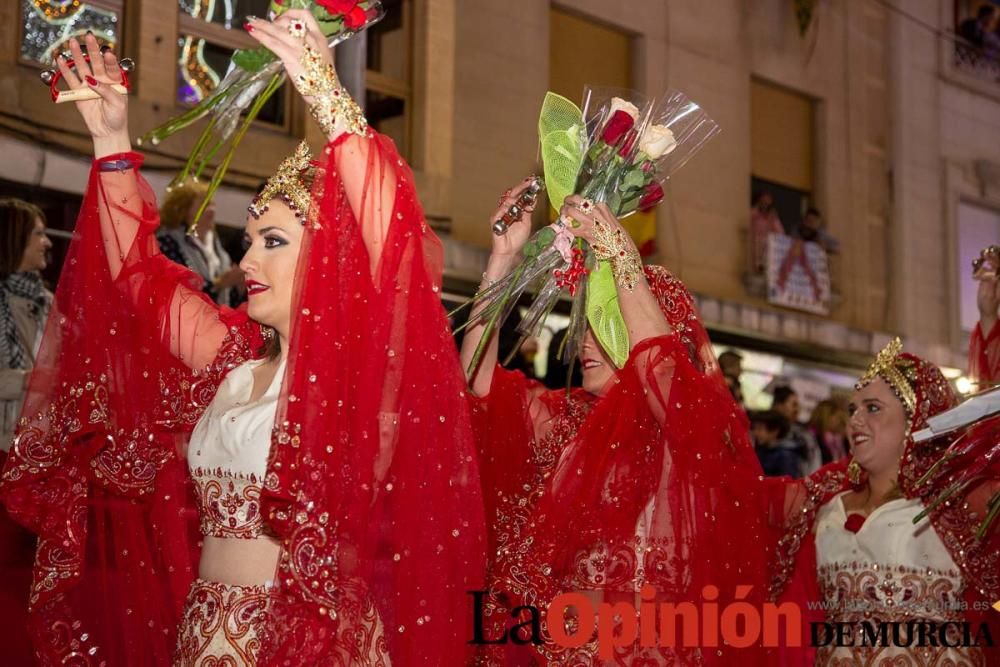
x=228, y=451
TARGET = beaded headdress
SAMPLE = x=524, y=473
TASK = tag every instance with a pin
x=918, y=384
x=292, y=183
x=892, y=367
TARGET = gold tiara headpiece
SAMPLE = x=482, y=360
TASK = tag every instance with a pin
x=292, y=183
x=892, y=367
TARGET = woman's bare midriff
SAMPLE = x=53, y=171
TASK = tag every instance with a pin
x=239, y=562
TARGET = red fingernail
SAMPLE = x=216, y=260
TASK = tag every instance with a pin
x=91, y=80
x=279, y=2
x=248, y=27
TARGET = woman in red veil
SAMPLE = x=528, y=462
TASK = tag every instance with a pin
x=335, y=487
x=863, y=539
x=645, y=477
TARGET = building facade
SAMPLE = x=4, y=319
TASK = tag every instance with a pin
x=865, y=109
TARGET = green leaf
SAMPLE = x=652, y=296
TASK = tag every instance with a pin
x=559, y=134
x=634, y=178
x=539, y=242
x=605, y=315
x=252, y=60
x=330, y=26
x=628, y=206
x=615, y=202
x=280, y=9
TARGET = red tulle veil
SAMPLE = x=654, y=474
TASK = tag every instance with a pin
x=652, y=484
x=372, y=486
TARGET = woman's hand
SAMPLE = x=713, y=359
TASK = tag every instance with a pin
x=277, y=37
x=510, y=244
x=106, y=117
x=587, y=216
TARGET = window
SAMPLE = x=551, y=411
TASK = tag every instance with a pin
x=781, y=149
x=584, y=52
x=210, y=30
x=47, y=25
x=978, y=228
x=388, y=73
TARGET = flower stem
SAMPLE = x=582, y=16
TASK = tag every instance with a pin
x=220, y=171
x=492, y=323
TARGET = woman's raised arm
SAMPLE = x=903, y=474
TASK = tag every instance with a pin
x=127, y=211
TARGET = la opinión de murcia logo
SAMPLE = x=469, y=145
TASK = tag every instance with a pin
x=574, y=619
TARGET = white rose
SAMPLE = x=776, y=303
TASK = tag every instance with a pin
x=657, y=141
x=618, y=104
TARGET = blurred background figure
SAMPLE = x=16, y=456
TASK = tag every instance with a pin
x=979, y=31
x=24, y=303
x=201, y=252
x=799, y=439
x=812, y=229
x=764, y=221
x=984, y=343
x=769, y=428
x=828, y=425
x=731, y=365
x=24, y=307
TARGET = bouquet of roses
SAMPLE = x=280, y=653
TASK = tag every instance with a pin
x=254, y=76
x=617, y=150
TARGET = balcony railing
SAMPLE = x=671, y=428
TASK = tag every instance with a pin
x=978, y=62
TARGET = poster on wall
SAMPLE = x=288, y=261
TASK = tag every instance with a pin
x=798, y=275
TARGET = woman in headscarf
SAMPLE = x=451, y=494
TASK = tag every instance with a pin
x=850, y=549
x=637, y=487
x=24, y=307
x=330, y=449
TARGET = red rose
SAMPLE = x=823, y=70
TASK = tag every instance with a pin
x=619, y=123
x=854, y=522
x=651, y=197
x=338, y=7
x=355, y=18
x=626, y=148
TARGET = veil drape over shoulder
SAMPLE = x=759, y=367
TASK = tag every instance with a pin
x=372, y=484
x=653, y=484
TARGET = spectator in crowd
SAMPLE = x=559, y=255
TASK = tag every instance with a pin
x=24, y=307
x=24, y=304
x=731, y=364
x=828, y=425
x=764, y=221
x=202, y=252
x=799, y=440
x=736, y=389
x=555, y=369
x=811, y=229
x=978, y=31
x=769, y=429
x=984, y=344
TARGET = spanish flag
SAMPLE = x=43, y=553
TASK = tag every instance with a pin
x=642, y=228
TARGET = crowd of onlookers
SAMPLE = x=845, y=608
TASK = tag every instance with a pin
x=785, y=445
